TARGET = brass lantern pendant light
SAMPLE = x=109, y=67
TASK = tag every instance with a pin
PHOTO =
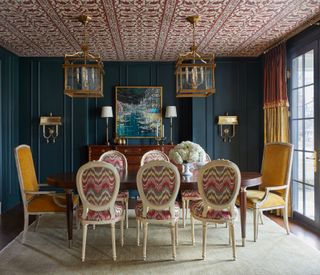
x=195, y=71
x=83, y=71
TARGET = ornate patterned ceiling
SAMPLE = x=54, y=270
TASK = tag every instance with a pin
x=150, y=29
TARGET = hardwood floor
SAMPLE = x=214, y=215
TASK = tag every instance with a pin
x=11, y=224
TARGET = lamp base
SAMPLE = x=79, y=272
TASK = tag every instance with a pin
x=107, y=143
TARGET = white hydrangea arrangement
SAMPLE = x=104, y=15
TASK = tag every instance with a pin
x=187, y=152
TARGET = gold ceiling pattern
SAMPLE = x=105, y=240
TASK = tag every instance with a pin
x=150, y=29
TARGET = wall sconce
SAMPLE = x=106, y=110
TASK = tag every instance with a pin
x=227, y=127
x=47, y=131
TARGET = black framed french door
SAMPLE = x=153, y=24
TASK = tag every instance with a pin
x=305, y=134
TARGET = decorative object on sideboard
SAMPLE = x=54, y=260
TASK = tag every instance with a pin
x=227, y=127
x=106, y=112
x=83, y=71
x=50, y=127
x=195, y=71
x=171, y=111
x=138, y=111
x=187, y=153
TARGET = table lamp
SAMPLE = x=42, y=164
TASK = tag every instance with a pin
x=171, y=112
x=106, y=112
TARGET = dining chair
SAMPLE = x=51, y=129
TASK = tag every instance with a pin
x=273, y=192
x=190, y=195
x=36, y=202
x=158, y=184
x=153, y=155
x=119, y=161
x=218, y=185
x=98, y=185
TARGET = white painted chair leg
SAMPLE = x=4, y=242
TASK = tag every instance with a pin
x=138, y=232
x=187, y=209
x=261, y=216
x=230, y=235
x=121, y=231
x=127, y=213
x=145, y=236
x=94, y=227
x=84, y=241
x=233, y=240
x=183, y=212
x=25, y=227
x=285, y=219
x=37, y=223
x=192, y=230
x=113, y=238
x=173, y=241
x=255, y=224
x=204, y=239
x=176, y=232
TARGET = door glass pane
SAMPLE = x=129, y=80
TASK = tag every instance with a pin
x=300, y=198
x=308, y=67
x=309, y=134
x=297, y=72
x=298, y=166
x=309, y=102
x=297, y=134
x=309, y=201
x=297, y=103
x=309, y=168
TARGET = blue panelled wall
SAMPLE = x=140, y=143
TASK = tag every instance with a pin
x=239, y=92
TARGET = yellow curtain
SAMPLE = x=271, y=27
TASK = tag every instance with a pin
x=276, y=113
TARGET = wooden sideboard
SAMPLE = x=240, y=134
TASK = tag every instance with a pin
x=133, y=153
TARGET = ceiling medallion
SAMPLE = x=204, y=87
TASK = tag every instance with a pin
x=195, y=71
x=83, y=71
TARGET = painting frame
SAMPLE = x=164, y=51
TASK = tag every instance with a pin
x=125, y=95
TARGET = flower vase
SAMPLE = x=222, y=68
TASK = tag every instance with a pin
x=186, y=169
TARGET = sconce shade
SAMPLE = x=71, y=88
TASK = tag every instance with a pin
x=50, y=120
x=227, y=120
x=106, y=111
x=171, y=111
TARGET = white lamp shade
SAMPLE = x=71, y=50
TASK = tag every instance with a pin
x=106, y=111
x=171, y=111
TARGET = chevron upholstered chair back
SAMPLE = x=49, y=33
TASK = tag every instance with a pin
x=153, y=155
x=158, y=184
x=117, y=159
x=219, y=183
x=98, y=186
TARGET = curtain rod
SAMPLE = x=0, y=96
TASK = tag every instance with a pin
x=313, y=21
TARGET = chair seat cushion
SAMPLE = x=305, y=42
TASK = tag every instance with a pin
x=123, y=195
x=97, y=216
x=255, y=196
x=196, y=209
x=190, y=194
x=157, y=214
x=50, y=203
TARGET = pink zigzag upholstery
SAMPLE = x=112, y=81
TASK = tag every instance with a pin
x=197, y=207
x=153, y=155
x=157, y=214
x=98, y=184
x=102, y=215
x=193, y=194
x=158, y=183
x=219, y=184
x=115, y=158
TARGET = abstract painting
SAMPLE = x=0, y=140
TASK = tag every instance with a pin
x=138, y=111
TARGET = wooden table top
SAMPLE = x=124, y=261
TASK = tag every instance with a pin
x=128, y=181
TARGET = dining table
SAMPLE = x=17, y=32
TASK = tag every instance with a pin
x=67, y=181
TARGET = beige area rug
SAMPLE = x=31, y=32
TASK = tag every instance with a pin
x=46, y=252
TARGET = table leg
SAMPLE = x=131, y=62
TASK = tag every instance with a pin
x=69, y=195
x=243, y=213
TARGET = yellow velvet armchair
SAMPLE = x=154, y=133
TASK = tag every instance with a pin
x=35, y=202
x=273, y=193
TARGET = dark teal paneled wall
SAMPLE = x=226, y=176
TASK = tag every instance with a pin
x=239, y=92
x=9, y=128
